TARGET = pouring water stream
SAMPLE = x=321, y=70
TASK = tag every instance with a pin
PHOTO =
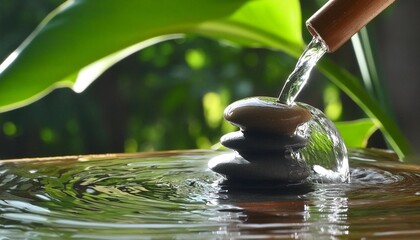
x=327, y=154
x=300, y=75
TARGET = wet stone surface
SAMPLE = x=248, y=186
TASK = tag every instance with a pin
x=266, y=115
x=270, y=167
x=258, y=142
x=265, y=145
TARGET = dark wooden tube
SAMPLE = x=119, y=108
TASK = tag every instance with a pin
x=338, y=20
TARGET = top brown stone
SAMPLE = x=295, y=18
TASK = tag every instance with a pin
x=266, y=115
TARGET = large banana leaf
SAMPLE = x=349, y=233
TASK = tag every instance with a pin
x=83, y=38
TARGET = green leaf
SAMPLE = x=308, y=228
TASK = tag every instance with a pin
x=356, y=133
x=274, y=24
x=352, y=87
x=82, y=38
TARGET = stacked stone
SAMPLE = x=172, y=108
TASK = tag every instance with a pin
x=265, y=143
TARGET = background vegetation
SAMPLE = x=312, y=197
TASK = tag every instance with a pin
x=167, y=96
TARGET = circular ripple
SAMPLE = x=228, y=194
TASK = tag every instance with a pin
x=148, y=195
x=175, y=196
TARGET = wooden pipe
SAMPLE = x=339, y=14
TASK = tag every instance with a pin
x=338, y=20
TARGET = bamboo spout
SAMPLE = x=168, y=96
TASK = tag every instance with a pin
x=338, y=20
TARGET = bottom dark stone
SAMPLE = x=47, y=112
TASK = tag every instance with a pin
x=235, y=167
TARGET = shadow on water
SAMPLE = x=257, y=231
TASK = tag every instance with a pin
x=174, y=195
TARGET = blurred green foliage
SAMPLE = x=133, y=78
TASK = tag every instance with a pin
x=167, y=96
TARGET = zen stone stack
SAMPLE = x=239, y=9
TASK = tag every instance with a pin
x=266, y=145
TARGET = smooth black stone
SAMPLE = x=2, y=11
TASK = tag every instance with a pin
x=235, y=167
x=261, y=143
x=263, y=156
x=266, y=114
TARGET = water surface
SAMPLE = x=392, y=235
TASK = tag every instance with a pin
x=174, y=195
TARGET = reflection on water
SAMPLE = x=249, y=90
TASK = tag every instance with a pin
x=173, y=195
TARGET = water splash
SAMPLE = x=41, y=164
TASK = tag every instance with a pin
x=300, y=75
x=325, y=152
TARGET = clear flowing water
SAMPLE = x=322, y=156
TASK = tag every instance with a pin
x=300, y=75
x=173, y=195
x=325, y=152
